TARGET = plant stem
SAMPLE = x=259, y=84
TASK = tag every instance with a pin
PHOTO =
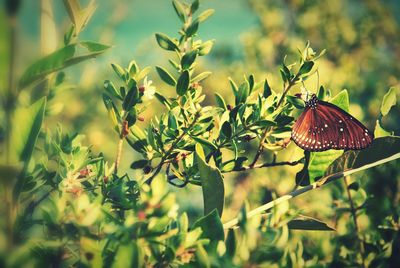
x=167, y=153
x=266, y=131
x=354, y=215
x=323, y=181
x=273, y=164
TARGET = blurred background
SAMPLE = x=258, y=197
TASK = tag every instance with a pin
x=362, y=39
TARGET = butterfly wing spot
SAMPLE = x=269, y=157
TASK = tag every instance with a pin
x=326, y=125
x=341, y=129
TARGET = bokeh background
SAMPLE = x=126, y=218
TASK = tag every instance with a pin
x=362, y=42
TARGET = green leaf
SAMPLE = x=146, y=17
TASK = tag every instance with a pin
x=51, y=63
x=118, y=70
x=341, y=100
x=194, y=6
x=94, y=46
x=296, y=102
x=320, y=161
x=380, y=131
x=231, y=243
x=131, y=98
x=166, y=76
x=202, y=259
x=212, y=184
x=321, y=93
x=110, y=88
x=306, y=67
x=162, y=99
x=183, y=83
x=206, y=47
x=226, y=130
x=139, y=164
x=388, y=101
x=243, y=93
x=192, y=29
x=131, y=117
x=188, y=59
x=180, y=10
x=128, y=255
x=165, y=42
x=212, y=228
x=267, y=89
x=309, y=224
x=204, y=15
x=26, y=124
x=79, y=16
x=220, y=101
x=201, y=77
x=380, y=151
x=205, y=142
x=112, y=110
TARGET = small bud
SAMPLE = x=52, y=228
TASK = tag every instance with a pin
x=229, y=107
x=125, y=129
x=140, y=118
x=142, y=89
x=105, y=179
x=141, y=215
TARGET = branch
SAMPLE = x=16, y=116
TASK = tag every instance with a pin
x=273, y=164
x=164, y=158
x=323, y=181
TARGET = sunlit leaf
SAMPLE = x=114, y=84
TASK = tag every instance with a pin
x=166, y=76
x=212, y=184
x=389, y=100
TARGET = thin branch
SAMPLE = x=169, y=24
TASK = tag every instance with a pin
x=272, y=164
x=325, y=180
x=354, y=215
x=165, y=156
x=266, y=131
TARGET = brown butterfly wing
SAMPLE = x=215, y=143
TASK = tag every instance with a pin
x=326, y=126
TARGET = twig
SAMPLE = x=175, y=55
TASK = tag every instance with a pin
x=266, y=131
x=165, y=156
x=354, y=215
x=325, y=180
x=272, y=164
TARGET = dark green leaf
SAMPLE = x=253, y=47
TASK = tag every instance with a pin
x=188, y=59
x=321, y=93
x=308, y=223
x=131, y=98
x=183, y=83
x=165, y=42
x=306, y=67
x=139, y=164
x=131, y=118
x=231, y=243
x=194, y=6
x=251, y=82
x=109, y=87
x=162, y=99
x=206, y=143
x=220, y=101
x=243, y=93
x=212, y=228
x=165, y=76
x=267, y=89
x=226, y=130
x=192, y=29
x=296, y=102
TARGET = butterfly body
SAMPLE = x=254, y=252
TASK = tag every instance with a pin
x=323, y=126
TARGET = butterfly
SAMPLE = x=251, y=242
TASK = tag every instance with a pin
x=323, y=126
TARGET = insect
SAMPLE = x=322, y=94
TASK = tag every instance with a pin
x=323, y=126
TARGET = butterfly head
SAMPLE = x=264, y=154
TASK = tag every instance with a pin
x=312, y=102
